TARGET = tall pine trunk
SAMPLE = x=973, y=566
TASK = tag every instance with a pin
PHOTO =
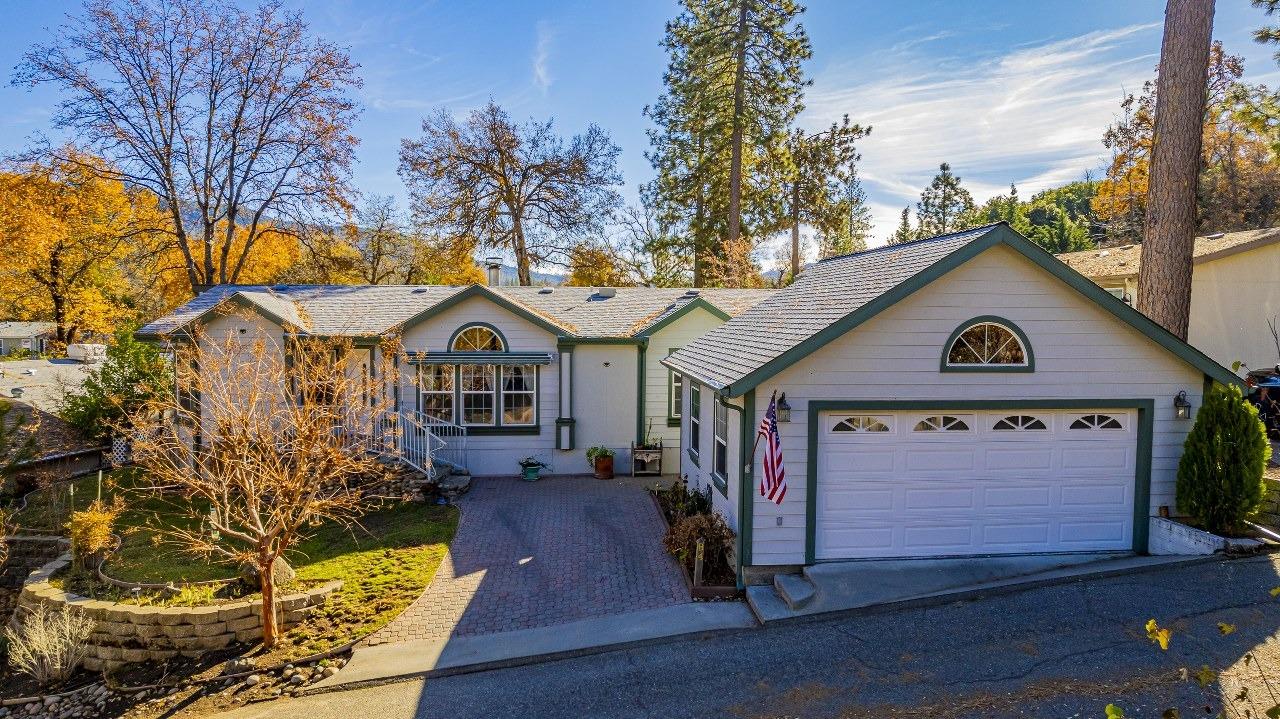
x=735, y=140
x=795, y=230
x=1164, y=278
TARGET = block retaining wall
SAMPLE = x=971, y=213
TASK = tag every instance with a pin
x=130, y=633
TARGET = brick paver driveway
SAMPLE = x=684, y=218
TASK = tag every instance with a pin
x=533, y=554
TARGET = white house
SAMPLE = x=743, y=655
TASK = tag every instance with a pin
x=1235, y=291
x=519, y=371
x=963, y=395
x=25, y=336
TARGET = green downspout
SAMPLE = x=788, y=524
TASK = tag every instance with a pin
x=641, y=349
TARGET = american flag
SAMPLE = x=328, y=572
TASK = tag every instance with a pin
x=773, y=484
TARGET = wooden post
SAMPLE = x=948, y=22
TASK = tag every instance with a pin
x=697, y=562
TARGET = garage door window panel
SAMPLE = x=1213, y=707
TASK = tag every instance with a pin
x=862, y=424
x=987, y=344
x=1096, y=422
x=943, y=423
x=1020, y=423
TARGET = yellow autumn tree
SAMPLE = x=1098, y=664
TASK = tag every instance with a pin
x=68, y=238
x=273, y=254
x=591, y=266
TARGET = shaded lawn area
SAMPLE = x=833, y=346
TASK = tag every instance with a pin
x=384, y=563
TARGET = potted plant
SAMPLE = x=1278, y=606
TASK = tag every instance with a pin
x=529, y=468
x=601, y=460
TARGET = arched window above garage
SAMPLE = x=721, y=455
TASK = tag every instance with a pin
x=987, y=344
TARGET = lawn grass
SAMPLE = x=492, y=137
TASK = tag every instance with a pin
x=384, y=562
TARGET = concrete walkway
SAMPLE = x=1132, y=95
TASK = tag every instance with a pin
x=1064, y=650
x=439, y=657
x=538, y=554
x=841, y=586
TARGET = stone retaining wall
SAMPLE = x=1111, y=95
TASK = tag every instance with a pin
x=131, y=633
x=27, y=554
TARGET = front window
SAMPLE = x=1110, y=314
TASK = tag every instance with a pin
x=437, y=385
x=518, y=388
x=477, y=384
x=675, y=396
x=695, y=420
x=722, y=440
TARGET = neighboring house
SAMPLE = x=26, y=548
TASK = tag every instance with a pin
x=523, y=371
x=31, y=336
x=967, y=394
x=1235, y=291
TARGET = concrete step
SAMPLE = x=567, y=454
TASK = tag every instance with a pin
x=795, y=590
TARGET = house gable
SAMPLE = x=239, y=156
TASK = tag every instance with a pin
x=999, y=235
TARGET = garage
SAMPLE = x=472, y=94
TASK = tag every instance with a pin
x=932, y=483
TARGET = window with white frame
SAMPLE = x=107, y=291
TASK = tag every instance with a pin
x=518, y=388
x=987, y=344
x=476, y=385
x=862, y=423
x=675, y=395
x=436, y=381
x=941, y=423
x=721, y=436
x=1096, y=421
x=1019, y=423
x=695, y=421
x=478, y=338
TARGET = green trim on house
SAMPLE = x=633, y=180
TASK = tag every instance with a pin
x=481, y=291
x=498, y=358
x=1142, y=473
x=1001, y=234
x=673, y=419
x=746, y=482
x=699, y=302
x=695, y=455
x=573, y=429
x=506, y=346
x=1030, y=366
x=563, y=341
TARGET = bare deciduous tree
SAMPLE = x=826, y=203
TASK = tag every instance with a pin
x=513, y=187
x=289, y=437
x=236, y=119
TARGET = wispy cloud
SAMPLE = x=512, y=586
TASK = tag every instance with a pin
x=542, y=56
x=1032, y=114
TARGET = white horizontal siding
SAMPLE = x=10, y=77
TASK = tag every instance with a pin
x=698, y=474
x=657, y=377
x=1081, y=351
x=604, y=402
x=497, y=455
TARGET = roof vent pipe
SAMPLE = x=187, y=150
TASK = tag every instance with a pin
x=606, y=291
x=493, y=271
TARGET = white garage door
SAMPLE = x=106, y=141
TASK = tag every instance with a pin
x=915, y=484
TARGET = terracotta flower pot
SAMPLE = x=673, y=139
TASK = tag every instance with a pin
x=604, y=467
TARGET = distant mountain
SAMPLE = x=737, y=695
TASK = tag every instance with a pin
x=510, y=277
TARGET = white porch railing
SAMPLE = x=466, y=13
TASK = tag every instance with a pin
x=421, y=439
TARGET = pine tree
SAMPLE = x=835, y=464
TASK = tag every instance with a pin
x=943, y=204
x=855, y=228
x=904, y=233
x=733, y=86
x=816, y=168
x=1220, y=474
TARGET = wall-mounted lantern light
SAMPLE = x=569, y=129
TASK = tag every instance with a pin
x=1181, y=406
x=784, y=409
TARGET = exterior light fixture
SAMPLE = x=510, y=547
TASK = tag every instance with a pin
x=1181, y=406
x=784, y=409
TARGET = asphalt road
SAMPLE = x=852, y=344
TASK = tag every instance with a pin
x=1059, y=651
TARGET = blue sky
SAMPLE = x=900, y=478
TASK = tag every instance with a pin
x=1004, y=91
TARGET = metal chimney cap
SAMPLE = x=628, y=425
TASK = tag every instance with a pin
x=493, y=261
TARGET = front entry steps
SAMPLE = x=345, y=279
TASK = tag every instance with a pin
x=837, y=586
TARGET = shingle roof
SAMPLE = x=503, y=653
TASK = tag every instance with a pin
x=367, y=310
x=25, y=329
x=1125, y=261
x=822, y=294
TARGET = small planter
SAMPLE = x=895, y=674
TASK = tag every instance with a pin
x=601, y=461
x=530, y=467
x=603, y=467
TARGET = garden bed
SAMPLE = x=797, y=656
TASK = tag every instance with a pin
x=673, y=508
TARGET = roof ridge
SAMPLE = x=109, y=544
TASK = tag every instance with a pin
x=914, y=243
